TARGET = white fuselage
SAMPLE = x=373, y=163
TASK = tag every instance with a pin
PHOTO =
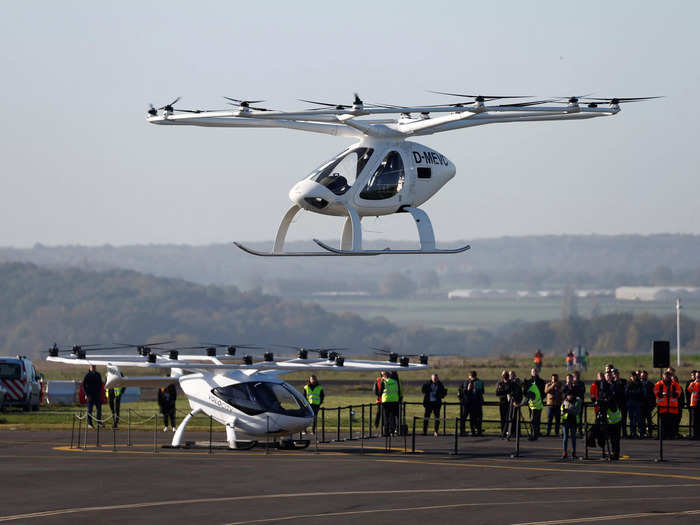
x=374, y=177
x=254, y=405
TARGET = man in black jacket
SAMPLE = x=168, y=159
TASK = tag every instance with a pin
x=92, y=386
x=503, y=392
x=619, y=387
x=648, y=404
x=433, y=394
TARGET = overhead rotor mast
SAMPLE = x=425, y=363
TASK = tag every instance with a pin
x=381, y=128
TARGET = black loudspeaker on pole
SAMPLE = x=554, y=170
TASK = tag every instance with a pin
x=661, y=354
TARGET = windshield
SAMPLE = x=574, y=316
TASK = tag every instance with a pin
x=10, y=371
x=258, y=397
x=338, y=174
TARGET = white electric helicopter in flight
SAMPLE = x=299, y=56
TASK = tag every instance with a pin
x=382, y=173
x=247, y=397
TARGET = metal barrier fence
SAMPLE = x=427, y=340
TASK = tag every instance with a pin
x=351, y=423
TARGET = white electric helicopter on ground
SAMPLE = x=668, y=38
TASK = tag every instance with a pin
x=382, y=173
x=247, y=397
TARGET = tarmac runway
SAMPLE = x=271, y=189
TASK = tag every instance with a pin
x=45, y=481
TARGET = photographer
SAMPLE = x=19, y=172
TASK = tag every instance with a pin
x=473, y=400
x=608, y=418
x=515, y=398
x=553, y=391
x=503, y=392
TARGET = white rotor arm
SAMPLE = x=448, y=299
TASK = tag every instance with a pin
x=290, y=365
x=227, y=120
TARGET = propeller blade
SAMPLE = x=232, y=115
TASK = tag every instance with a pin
x=620, y=100
x=476, y=97
x=337, y=106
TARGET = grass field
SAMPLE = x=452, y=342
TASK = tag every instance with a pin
x=346, y=388
x=438, y=311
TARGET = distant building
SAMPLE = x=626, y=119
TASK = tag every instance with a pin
x=655, y=293
x=474, y=293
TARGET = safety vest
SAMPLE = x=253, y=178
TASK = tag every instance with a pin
x=565, y=414
x=694, y=390
x=313, y=394
x=614, y=416
x=667, y=397
x=538, y=359
x=117, y=391
x=569, y=358
x=390, y=392
x=536, y=403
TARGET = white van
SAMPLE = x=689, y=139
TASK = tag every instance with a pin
x=21, y=382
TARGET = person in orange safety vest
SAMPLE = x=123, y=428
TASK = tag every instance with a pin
x=668, y=394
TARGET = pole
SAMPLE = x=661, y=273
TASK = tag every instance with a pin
x=128, y=428
x=362, y=433
x=585, y=440
x=72, y=432
x=456, y=450
x=86, y=430
x=350, y=420
x=210, y=426
x=338, y=425
x=97, y=442
x=661, y=437
x=444, y=417
x=371, y=421
x=323, y=425
x=155, y=430
x=517, y=433
x=114, y=438
x=413, y=437
x=678, y=331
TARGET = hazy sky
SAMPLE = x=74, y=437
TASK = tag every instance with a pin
x=81, y=165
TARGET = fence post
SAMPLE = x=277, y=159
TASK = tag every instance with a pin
x=338, y=424
x=72, y=432
x=86, y=430
x=128, y=428
x=371, y=421
x=444, y=417
x=456, y=450
x=155, y=430
x=267, y=435
x=517, y=433
x=585, y=439
x=210, y=427
x=114, y=438
x=661, y=437
x=413, y=437
x=97, y=439
x=362, y=429
x=350, y=420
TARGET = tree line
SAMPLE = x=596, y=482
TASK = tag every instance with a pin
x=39, y=306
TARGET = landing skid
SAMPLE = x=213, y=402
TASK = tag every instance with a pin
x=351, y=240
x=284, y=254
x=389, y=251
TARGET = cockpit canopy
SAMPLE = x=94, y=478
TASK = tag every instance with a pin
x=338, y=174
x=258, y=397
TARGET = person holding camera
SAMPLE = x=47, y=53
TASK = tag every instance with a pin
x=472, y=392
x=570, y=418
x=502, y=392
x=553, y=391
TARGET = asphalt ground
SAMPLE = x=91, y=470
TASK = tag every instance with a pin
x=45, y=481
